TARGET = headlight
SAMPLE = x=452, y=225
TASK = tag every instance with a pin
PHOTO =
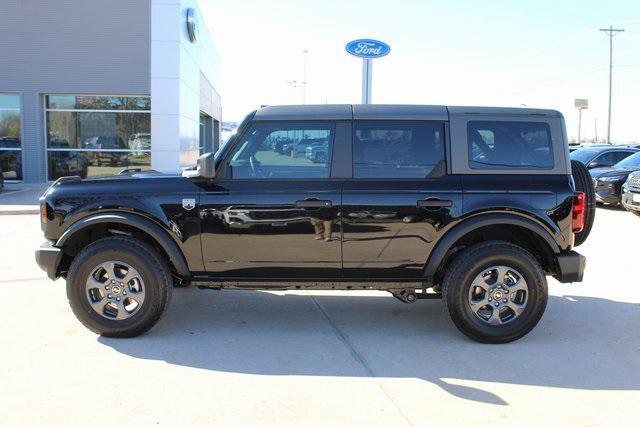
x=611, y=178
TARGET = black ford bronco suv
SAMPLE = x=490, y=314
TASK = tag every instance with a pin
x=472, y=205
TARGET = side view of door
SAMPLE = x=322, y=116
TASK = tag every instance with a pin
x=400, y=196
x=273, y=213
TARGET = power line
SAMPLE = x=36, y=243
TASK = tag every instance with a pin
x=611, y=32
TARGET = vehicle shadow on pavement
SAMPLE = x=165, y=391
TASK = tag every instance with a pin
x=320, y=334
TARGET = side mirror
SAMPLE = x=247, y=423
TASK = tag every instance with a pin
x=206, y=166
x=594, y=164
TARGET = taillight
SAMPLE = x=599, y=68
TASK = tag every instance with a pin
x=577, y=214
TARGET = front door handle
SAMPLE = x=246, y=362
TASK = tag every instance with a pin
x=313, y=203
x=434, y=203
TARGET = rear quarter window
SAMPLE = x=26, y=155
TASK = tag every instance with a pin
x=509, y=145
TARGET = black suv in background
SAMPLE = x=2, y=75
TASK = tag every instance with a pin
x=602, y=156
x=608, y=182
x=472, y=205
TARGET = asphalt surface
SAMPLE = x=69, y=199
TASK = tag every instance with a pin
x=322, y=358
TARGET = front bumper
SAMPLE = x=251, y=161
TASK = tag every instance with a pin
x=628, y=203
x=48, y=259
x=607, y=192
x=571, y=267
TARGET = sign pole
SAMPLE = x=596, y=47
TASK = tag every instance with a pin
x=579, y=124
x=366, y=80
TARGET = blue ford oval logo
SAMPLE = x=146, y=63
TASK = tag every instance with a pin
x=367, y=48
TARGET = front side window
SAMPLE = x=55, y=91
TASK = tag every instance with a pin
x=97, y=135
x=283, y=150
x=509, y=145
x=10, y=143
x=398, y=150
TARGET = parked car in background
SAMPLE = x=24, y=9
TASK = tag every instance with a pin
x=112, y=158
x=602, y=156
x=318, y=152
x=608, y=182
x=299, y=149
x=631, y=193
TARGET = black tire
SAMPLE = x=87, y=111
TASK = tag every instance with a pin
x=139, y=255
x=473, y=261
x=583, y=181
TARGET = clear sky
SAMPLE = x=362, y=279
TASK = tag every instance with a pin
x=459, y=52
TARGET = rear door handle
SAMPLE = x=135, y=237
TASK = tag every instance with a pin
x=305, y=204
x=434, y=203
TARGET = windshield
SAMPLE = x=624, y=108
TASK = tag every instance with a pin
x=582, y=155
x=232, y=136
x=631, y=162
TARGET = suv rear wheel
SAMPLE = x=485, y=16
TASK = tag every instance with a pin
x=495, y=292
x=119, y=286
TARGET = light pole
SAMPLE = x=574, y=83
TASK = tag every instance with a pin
x=304, y=78
x=611, y=32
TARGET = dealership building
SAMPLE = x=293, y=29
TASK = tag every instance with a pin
x=92, y=87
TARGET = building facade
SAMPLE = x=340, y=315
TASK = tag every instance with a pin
x=91, y=87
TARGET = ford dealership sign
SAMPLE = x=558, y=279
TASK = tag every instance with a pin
x=367, y=48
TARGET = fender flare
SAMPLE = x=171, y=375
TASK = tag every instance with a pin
x=443, y=246
x=154, y=230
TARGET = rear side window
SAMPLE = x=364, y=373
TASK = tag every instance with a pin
x=509, y=145
x=398, y=150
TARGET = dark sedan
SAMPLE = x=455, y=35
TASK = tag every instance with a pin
x=602, y=156
x=608, y=181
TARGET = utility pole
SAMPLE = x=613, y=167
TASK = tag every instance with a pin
x=611, y=32
x=304, y=78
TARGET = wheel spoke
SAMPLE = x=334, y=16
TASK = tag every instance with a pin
x=502, y=273
x=517, y=308
x=122, y=312
x=477, y=305
x=480, y=283
x=495, y=317
x=93, y=283
x=110, y=268
x=520, y=285
x=131, y=274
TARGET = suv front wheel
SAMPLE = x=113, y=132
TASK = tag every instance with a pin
x=119, y=286
x=495, y=292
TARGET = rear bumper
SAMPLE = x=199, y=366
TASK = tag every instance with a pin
x=48, y=258
x=571, y=267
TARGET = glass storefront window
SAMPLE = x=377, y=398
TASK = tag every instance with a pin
x=10, y=134
x=97, y=135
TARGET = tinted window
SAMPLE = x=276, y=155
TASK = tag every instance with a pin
x=583, y=156
x=283, y=150
x=631, y=162
x=398, y=150
x=509, y=145
x=606, y=159
x=621, y=155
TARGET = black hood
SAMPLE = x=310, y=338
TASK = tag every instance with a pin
x=602, y=172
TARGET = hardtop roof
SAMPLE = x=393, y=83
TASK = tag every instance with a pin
x=388, y=111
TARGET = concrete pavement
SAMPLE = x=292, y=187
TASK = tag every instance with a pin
x=323, y=358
